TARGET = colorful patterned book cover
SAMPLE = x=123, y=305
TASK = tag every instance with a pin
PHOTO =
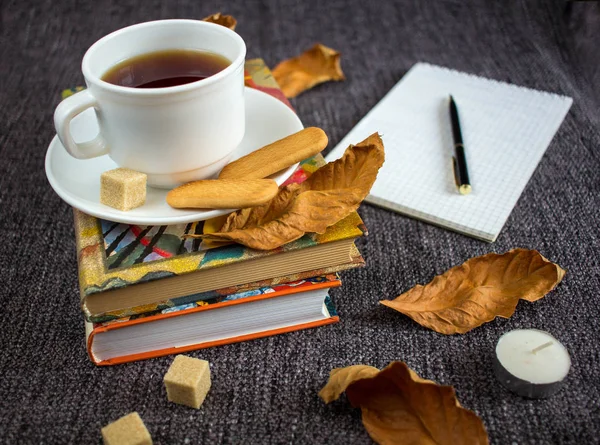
x=113, y=255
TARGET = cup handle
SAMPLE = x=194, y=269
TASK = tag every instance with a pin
x=64, y=113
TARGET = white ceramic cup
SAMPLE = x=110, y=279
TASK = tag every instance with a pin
x=173, y=134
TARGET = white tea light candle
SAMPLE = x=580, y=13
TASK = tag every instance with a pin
x=531, y=363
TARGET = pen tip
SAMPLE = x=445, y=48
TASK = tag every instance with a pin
x=451, y=98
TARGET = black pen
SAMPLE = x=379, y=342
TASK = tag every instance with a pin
x=461, y=174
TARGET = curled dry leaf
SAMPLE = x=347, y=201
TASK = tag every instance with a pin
x=479, y=290
x=227, y=21
x=314, y=66
x=399, y=407
x=330, y=194
x=341, y=378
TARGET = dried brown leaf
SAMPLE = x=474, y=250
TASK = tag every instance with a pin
x=227, y=21
x=326, y=197
x=399, y=407
x=357, y=168
x=314, y=66
x=479, y=290
x=341, y=378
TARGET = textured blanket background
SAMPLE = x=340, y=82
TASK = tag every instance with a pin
x=265, y=391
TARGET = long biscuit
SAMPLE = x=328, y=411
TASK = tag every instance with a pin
x=278, y=155
x=222, y=193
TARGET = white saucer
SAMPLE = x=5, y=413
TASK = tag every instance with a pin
x=77, y=182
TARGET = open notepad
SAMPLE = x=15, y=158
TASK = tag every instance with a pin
x=506, y=130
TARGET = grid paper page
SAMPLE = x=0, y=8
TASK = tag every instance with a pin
x=506, y=130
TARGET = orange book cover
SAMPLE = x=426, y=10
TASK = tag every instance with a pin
x=171, y=316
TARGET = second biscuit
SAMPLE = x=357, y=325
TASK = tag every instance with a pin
x=223, y=193
x=278, y=155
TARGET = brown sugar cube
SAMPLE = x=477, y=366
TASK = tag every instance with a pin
x=128, y=430
x=122, y=188
x=187, y=381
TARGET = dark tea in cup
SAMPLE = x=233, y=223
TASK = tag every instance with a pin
x=167, y=68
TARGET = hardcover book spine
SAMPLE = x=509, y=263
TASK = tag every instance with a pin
x=297, y=287
x=357, y=261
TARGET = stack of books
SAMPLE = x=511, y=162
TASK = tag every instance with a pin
x=148, y=291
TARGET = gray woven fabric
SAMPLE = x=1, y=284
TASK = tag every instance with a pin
x=265, y=391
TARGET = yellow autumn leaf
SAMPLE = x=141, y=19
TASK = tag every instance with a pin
x=227, y=21
x=479, y=290
x=330, y=194
x=214, y=225
x=399, y=407
x=314, y=66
